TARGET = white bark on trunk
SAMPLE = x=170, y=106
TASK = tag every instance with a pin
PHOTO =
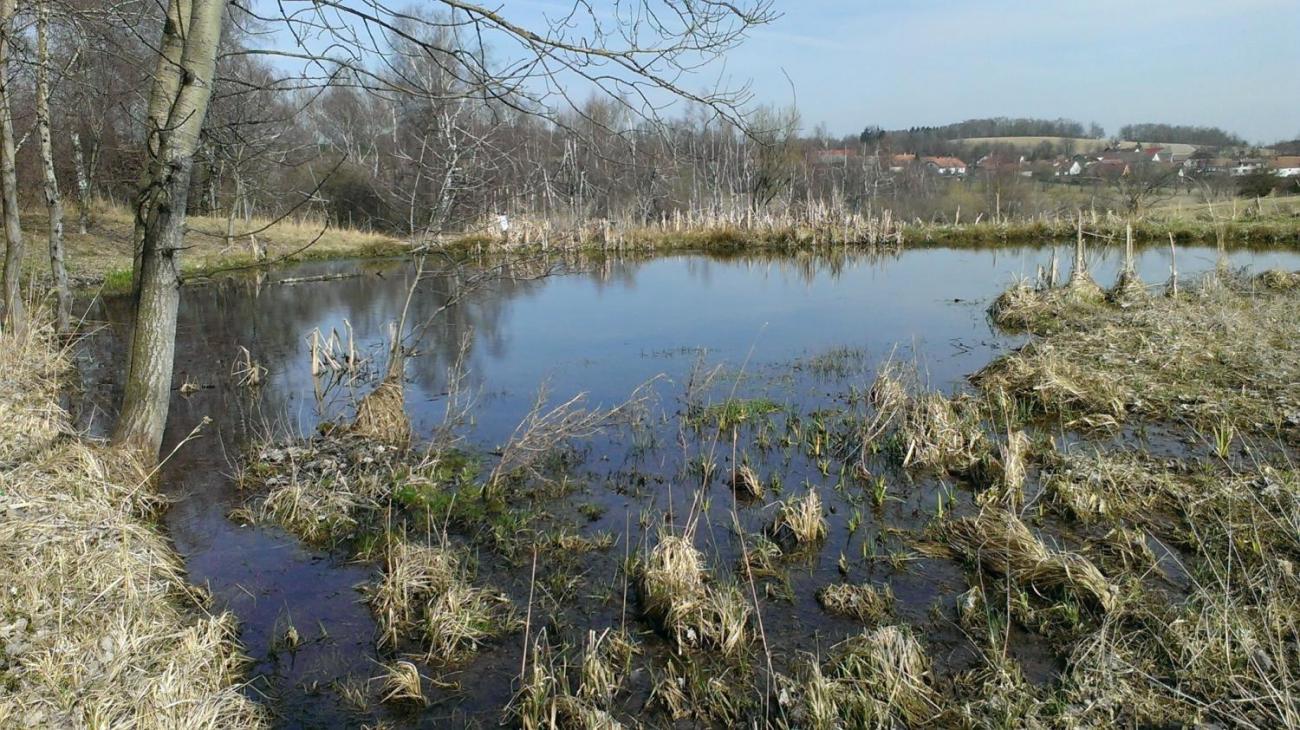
x=53, y=199
x=13, y=302
x=83, y=186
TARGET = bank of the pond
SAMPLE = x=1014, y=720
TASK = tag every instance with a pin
x=101, y=258
x=98, y=626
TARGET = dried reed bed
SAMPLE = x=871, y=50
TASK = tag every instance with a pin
x=677, y=595
x=98, y=627
x=1224, y=354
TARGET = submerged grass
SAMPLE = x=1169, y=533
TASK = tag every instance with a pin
x=98, y=627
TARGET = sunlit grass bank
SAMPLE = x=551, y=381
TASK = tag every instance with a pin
x=98, y=627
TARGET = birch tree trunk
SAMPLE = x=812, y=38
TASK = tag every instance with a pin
x=13, y=302
x=83, y=186
x=178, y=103
x=53, y=200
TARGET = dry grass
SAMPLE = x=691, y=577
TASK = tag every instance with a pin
x=746, y=483
x=864, y=602
x=1226, y=353
x=878, y=679
x=402, y=683
x=381, y=415
x=560, y=695
x=104, y=253
x=425, y=594
x=931, y=430
x=1002, y=472
x=98, y=627
x=999, y=542
x=800, y=520
x=677, y=595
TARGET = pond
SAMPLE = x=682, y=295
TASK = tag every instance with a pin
x=801, y=333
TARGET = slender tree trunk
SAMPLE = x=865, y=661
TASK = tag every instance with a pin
x=13, y=302
x=83, y=186
x=53, y=200
x=178, y=104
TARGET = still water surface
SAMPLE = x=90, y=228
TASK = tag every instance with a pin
x=602, y=330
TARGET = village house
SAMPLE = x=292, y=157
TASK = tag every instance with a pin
x=945, y=166
x=898, y=163
x=1286, y=166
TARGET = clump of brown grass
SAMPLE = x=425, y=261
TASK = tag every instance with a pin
x=999, y=542
x=800, y=520
x=402, y=683
x=746, y=483
x=877, y=679
x=1044, y=375
x=381, y=415
x=1279, y=280
x=676, y=594
x=933, y=431
x=863, y=602
x=425, y=594
x=1223, y=354
x=98, y=627
x=549, y=700
x=1003, y=473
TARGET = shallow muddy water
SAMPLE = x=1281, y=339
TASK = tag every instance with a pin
x=801, y=332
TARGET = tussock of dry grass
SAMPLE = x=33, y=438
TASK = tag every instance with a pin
x=800, y=520
x=677, y=595
x=878, y=679
x=381, y=415
x=933, y=431
x=1003, y=545
x=864, y=602
x=559, y=694
x=317, y=489
x=425, y=595
x=746, y=483
x=1002, y=472
x=402, y=683
x=98, y=627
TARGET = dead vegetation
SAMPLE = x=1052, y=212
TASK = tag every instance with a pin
x=1000, y=543
x=864, y=602
x=800, y=521
x=927, y=429
x=878, y=679
x=561, y=692
x=98, y=627
x=426, y=593
x=677, y=594
x=1222, y=353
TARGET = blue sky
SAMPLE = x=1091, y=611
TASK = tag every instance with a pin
x=897, y=63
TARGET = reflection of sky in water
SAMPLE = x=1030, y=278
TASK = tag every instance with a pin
x=607, y=331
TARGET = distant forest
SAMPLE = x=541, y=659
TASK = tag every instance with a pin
x=939, y=139
x=1179, y=133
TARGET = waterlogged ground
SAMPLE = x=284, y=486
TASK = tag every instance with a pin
x=796, y=340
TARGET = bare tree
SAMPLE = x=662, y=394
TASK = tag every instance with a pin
x=178, y=104
x=53, y=199
x=13, y=302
